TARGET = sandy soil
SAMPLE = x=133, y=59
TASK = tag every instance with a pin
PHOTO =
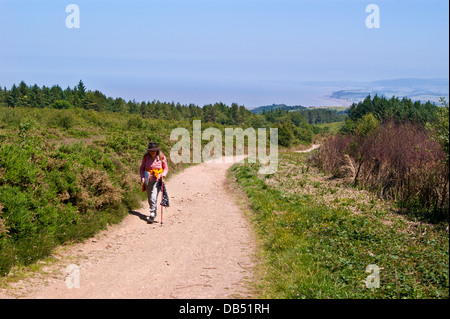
x=204, y=249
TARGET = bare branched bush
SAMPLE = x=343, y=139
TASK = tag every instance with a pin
x=399, y=161
x=331, y=155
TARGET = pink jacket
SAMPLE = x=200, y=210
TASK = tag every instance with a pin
x=148, y=164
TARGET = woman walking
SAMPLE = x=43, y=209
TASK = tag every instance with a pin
x=153, y=169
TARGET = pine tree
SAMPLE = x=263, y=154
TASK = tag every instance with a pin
x=35, y=96
x=81, y=89
x=13, y=96
x=3, y=93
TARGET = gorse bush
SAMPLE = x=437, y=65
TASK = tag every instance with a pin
x=65, y=175
x=45, y=194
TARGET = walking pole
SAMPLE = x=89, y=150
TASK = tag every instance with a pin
x=162, y=195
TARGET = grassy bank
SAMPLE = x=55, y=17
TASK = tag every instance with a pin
x=318, y=237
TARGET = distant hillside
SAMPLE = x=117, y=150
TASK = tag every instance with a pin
x=338, y=109
x=416, y=89
x=284, y=107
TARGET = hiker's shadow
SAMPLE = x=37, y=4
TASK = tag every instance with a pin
x=140, y=215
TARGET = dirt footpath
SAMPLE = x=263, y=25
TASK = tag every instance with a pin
x=312, y=148
x=204, y=249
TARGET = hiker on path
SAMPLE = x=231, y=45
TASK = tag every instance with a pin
x=153, y=169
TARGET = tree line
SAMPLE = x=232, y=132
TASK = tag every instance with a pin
x=294, y=126
x=400, y=110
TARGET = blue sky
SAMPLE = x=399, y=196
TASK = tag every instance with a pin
x=253, y=52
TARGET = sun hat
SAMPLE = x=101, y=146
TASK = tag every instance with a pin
x=152, y=146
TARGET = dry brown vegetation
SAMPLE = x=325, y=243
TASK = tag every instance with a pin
x=396, y=161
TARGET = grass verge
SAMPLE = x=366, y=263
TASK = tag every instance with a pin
x=318, y=240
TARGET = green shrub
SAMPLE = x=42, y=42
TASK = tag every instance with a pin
x=62, y=120
x=17, y=166
x=61, y=104
x=439, y=128
x=134, y=122
x=17, y=212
